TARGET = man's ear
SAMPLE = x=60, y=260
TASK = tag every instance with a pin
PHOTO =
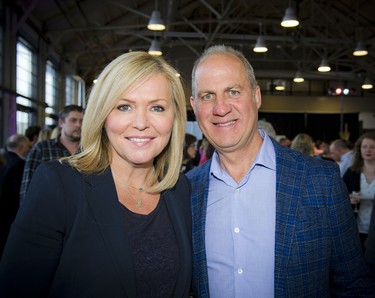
x=258, y=97
x=192, y=103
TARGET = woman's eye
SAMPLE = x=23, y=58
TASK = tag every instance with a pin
x=123, y=108
x=158, y=109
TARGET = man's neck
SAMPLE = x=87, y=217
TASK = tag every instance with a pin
x=238, y=163
x=68, y=144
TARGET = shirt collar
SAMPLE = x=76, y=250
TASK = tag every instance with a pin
x=265, y=158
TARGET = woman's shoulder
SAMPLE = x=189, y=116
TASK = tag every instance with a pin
x=182, y=182
x=56, y=169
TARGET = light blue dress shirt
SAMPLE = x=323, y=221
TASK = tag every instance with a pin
x=346, y=161
x=240, y=228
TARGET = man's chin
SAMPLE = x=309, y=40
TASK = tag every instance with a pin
x=75, y=139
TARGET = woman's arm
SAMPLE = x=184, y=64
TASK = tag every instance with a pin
x=35, y=242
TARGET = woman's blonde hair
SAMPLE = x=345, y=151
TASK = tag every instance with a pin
x=118, y=77
x=303, y=143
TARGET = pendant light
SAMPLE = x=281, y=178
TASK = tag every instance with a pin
x=156, y=23
x=298, y=78
x=260, y=46
x=289, y=19
x=324, y=67
x=155, y=49
x=360, y=49
x=367, y=84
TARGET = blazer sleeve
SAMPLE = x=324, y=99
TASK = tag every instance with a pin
x=36, y=238
x=352, y=180
x=370, y=241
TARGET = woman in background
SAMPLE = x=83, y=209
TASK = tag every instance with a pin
x=303, y=143
x=189, y=152
x=44, y=134
x=360, y=181
x=115, y=219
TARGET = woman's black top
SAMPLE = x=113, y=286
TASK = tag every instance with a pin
x=155, y=252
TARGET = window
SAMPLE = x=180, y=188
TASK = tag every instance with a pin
x=69, y=90
x=80, y=90
x=26, y=77
x=51, y=94
x=75, y=90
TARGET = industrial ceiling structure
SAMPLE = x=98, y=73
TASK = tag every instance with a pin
x=90, y=33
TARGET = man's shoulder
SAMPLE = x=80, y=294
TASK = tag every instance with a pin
x=290, y=158
x=47, y=144
x=198, y=171
x=46, y=150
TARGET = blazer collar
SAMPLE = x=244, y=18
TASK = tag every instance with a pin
x=289, y=174
x=182, y=236
x=102, y=198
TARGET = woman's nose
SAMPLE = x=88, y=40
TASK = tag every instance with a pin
x=140, y=120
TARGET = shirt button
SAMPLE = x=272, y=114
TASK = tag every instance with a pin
x=237, y=190
x=239, y=270
x=237, y=230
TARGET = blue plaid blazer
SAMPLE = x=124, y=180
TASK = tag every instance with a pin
x=317, y=248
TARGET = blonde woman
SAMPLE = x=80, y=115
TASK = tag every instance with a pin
x=44, y=134
x=303, y=143
x=113, y=220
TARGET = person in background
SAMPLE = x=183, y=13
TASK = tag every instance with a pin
x=32, y=133
x=17, y=146
x=44, y=134
x=341, y=153
x=206, y=151
x=56, y=131
x=303, y=143
x=113, y=220
x=70, y=121
x=323, y=147
x=267, y=127
x=360, y=182
x=284, y=141
x=268, y=221
x=189, y=151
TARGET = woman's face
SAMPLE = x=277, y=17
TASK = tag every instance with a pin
x=192, y=150
x=140, y=125
x=368, y=149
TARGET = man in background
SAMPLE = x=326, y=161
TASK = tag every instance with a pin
x=17, y=146
x=70, y=121
x=341, y=153
x=32, y=133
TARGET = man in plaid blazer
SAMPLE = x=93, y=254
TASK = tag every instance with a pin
x=267, y=221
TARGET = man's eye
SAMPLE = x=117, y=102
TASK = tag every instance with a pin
x=123, y=108
x=158, y=109
x=234, y=92
x=207, y=96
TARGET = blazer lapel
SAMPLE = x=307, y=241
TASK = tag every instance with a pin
x=102, y=198
x=177, y=217
x=288, y=192
x=200, y=184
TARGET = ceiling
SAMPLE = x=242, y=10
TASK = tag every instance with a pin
x=91, y=33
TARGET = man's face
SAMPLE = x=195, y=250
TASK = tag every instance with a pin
x=71, y=126
x=25, y=148
x=225, y=106
x=334, y=153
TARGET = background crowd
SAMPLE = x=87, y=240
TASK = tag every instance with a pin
x=158, y=175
